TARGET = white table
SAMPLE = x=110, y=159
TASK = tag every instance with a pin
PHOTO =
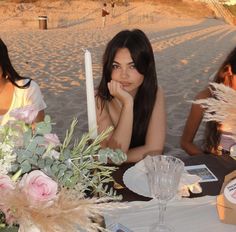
x=185, y=215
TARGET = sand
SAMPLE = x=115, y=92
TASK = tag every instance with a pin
x=187, y=52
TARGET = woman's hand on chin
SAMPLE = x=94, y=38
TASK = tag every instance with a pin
x=117, y=91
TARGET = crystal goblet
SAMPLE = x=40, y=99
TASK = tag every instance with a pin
x=163, y=175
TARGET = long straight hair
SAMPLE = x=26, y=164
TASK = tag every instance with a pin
x=142, y=55
x=213, y=132
x=8, y=70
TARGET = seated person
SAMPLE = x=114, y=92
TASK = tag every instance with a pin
x=216, y=139
x=16, y=91
x=129, y=99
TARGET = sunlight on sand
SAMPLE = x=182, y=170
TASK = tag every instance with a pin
x=187, y=52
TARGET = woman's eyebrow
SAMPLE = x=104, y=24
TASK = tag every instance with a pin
x=116, y=62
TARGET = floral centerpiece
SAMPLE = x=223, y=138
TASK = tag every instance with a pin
x=44, y=183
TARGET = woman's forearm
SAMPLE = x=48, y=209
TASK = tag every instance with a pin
x=138, y=153
x=122, y=133
x=191, y=148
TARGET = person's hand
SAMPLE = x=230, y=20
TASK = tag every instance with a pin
x=116, y=90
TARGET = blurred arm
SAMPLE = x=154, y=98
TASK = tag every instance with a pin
x=192, y=125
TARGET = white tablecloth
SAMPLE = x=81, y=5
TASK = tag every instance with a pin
x=185, y=215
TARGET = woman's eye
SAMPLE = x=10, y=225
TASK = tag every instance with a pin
x=132, y=66
x=115, y=66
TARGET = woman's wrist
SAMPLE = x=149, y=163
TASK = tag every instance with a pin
x=128, y=103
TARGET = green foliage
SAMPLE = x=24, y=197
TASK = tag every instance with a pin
x=82, y=162
x=9, y=229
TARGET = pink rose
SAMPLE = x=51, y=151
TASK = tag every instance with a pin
x=26, y=114
x=51, y=139
x=38, y=187
x=6, y=183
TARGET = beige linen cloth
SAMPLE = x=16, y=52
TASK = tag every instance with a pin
x=183, y=215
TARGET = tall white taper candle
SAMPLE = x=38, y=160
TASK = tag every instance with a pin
x=92, y=120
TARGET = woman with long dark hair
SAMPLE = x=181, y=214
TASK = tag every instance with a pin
x=128, y=97
x=16, y=91
x=217, y=139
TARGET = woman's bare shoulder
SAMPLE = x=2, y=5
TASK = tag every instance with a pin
x=205, y=93
x=160, y=92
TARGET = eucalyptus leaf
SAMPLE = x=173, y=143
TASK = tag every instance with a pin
x=56, y=162
x=47, y=170
x=32, y=146
x=41, y=163
x=43, y=128
x=48, y=161
x=27, y=137
x=14, y=168
x=25, y=166
x=21, y=152
x=34, y=160
x=40, y=150
x=47, y=119
x=23, y=155
x=39, y=140
x=62, y=167
x=60, y=173
x=55, y=169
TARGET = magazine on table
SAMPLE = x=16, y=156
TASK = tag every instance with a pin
x=202, y=171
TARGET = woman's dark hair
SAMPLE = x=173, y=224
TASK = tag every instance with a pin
x=142, y=54
x=8, y=71
x=213, y=133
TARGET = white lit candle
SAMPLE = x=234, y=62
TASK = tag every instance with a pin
x=92, y=120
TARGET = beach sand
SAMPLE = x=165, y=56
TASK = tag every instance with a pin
x=187, y=51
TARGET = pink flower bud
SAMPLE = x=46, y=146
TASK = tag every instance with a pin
x=51, y=139
x=26, y=114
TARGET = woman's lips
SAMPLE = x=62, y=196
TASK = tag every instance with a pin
x=125, y=84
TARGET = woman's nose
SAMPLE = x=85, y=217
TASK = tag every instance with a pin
x=123, y=73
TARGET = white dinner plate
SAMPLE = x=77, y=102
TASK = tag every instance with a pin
x=136, y=180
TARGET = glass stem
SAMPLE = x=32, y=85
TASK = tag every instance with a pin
x=162, y=210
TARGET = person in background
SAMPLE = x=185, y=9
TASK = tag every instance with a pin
x=129, y=98
x=16, y=91
x=104, y=14
x=113, y=8
x=217, y=140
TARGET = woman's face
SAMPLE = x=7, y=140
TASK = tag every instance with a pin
x=229, y=77
x=125, y=72
x=234, y=82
